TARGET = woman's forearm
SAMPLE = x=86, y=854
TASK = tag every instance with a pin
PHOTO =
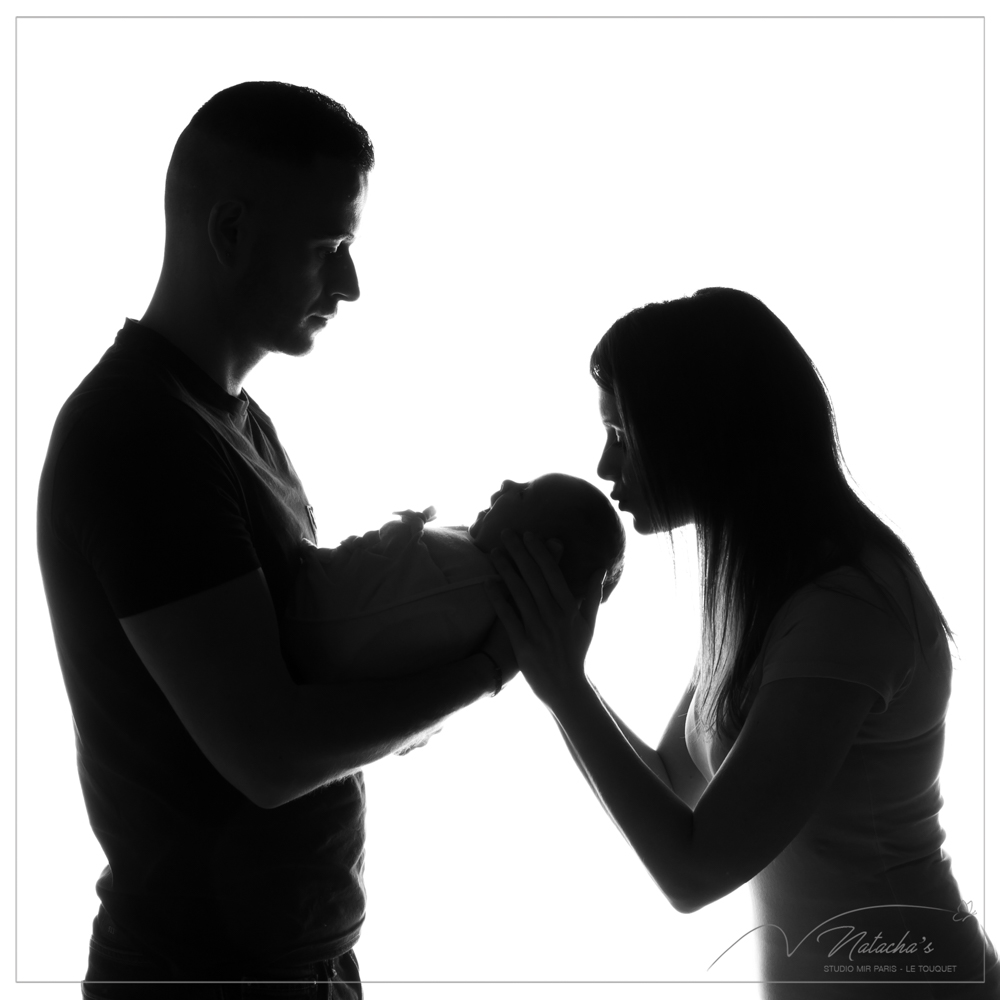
x=651, y=817
x=550, y=632
x=647, y=754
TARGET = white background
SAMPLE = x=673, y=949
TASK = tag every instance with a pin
x=534, y=180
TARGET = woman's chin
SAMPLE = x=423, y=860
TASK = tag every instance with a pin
x=640, y=521
x=642, y=526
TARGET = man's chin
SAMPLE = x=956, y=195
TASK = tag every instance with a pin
x=301, y=341
x=294, y=350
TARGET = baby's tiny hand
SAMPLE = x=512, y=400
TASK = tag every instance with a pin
x=421, y=516
x=419, y=743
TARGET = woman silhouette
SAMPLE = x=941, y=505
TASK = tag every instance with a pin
x=804, y=755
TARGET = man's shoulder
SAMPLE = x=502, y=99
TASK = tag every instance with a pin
x=105, y=420
x=125, y=372
x=124, y=396
x=113, y=426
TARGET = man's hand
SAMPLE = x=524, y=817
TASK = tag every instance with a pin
x=498, y=645
x=216, y=656
x=499, y=649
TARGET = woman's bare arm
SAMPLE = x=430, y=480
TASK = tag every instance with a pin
x=669, y=760
x=688, y=783
x=643, y=750
x=682, y=772
x=794, y=741
x=793, y=744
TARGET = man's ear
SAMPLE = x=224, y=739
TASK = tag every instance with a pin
x=226, y=226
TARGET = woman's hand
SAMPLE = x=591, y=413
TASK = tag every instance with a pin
x=550, y=630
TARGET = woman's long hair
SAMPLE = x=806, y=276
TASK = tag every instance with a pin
x=728, y=419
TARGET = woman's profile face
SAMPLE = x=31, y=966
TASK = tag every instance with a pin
x=616, y=466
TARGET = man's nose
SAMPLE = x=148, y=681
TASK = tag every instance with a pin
x=343, y=284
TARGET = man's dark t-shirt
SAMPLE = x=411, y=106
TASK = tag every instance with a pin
x=158, y=485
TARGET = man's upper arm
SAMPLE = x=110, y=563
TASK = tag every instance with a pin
x=151, y=503
x=216, y=657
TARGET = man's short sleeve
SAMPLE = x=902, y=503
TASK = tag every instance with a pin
x=151, y=500
x=843, y=634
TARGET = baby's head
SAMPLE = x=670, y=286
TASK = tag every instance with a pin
x=563, y=507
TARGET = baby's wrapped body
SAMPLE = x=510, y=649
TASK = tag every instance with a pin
x=395, y=600
x=410, y=596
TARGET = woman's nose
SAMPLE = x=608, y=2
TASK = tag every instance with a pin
x=607, y=467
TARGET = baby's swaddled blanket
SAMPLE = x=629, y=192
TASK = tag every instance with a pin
x=389, y=602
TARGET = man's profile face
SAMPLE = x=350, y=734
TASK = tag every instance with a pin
x=299, y=263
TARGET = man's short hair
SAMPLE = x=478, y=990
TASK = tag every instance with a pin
x=285, y=122
x=256, y=125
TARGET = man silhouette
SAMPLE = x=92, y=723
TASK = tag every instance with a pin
x=228, y=799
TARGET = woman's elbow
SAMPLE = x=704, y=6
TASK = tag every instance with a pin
x=693, y=895
x=686, y=904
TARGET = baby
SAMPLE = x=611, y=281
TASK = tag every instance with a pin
x=407, y=596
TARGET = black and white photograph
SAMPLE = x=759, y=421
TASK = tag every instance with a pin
x=502, y=507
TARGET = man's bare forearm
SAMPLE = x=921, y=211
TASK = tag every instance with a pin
x=323, y=732
x=216, y=656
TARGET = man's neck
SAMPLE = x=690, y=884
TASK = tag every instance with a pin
x=206, y=341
